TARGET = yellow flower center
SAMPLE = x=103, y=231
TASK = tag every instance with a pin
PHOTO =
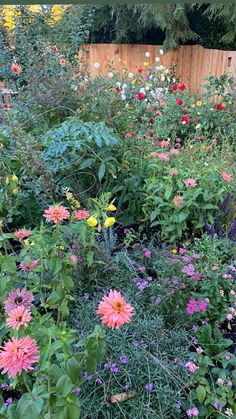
x=118, y=306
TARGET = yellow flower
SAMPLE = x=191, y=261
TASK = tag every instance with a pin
x=57, y=12
x=34, y=8
x=92, y=221
x=15, y=190
x=15, y=178
x=174, y=251
x=199, y=103
x=192, y=106
x=133, y=81
x=111, y=207
x=8, y=13
x=109, y=222
x=26, y=242
x=146, y=64
x=7, y=180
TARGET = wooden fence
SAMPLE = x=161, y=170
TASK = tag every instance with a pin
x=193, y=62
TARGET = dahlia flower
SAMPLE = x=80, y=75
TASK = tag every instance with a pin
x=115, y=310
x=18, y=317
x=56, y=213
x=17, y=298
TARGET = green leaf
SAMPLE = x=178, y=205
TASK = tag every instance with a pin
x=73, y=370
x=68, y=282
x=64, y=385
x=87, y=163
x=201, y=393
x=101, y=171
x=55, y=265
x=29, y=406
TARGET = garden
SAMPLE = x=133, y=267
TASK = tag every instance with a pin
x=117, y=231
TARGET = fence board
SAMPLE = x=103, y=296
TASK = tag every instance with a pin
x=193, y=62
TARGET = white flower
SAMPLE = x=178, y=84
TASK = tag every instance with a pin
x=161, y=67
x=161, y=52
x=118, y=84
x=173, y=80
x=157, y=59
x=142, y=90
x=168, y=79
x=166, y=70
x=96, y=65
x=163, y=78
x=158, y=68
x=147, y=54
x=123, y=97
x=198, y=126
x=130, y=75
x=220, y=382
x=229, y=413
x=153, y=93
x=124, y=86
x=127, y=105
x=74, y=87
x=147, y=88
x=110, y=75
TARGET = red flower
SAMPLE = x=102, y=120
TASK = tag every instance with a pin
x=181, y=86
x=179, y=102
x=151, y=132
x=118, y=90
x=16, y=68
x=140, y=70
x=197, y=119
x=219, y=106
x=185, y=110
x=62, y=62
x=186, y=119
x=6, y=106
x=140, y=96
x=151, y=120
x=81, y=91
x=174, y=88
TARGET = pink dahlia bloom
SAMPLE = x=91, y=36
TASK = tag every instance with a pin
x=18, y=317
x=17, y=298
x=115, y=310
x=18, y=355
x=163, y=157
x=191, y=367
x=74, y=258
x=81, y=215
x=227, y=177
x=164, y=143
x=31, y=264
x=174, y=151
x=22, y=234
x=56, y=213
x=190, y=182
x=178, y=201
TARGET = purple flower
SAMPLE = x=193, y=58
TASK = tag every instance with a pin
x=157, y=300
x=135, y=343
x=8, y=401
x=192, y=412
x=86, y=296
x=132, y=262
x=182, y=250
x=88, y=377
x=43, y=377
x=189, y=269
x=227, y=356
x=123, y=359
x=218, y=406
x=77, y=391
x=142, y=268
x=149, y=387
x=4, y=386
x=196, y=256
x=197, y=276
x=114, y=368
x=98, y=381
x=195, y=329
x=178, y=405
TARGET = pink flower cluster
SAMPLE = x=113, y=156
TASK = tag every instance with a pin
x=147, y=253
x=28, y=267
x=191, y=367
x=194, y=306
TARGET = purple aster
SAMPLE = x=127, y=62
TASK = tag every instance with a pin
x=196, y=256
x=8, y=401
x=114, y=368
x=135, y=343
x=98, y=381
x=157, y=300
x=218, y=406
x=77, y=391
x=88, y=377
x=86, y=296
x=189, y=269
x=149, y=387
x=123, y=359
x=4, y=386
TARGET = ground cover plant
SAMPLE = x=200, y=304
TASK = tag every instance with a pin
x=117, y=234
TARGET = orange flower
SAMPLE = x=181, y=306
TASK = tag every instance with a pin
x=178, y=201
x=18, y=317
x=115, y=310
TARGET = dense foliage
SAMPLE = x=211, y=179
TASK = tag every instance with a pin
x=117, y=200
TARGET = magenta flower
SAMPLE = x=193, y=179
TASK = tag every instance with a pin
x=17, y=298
x=189, y=269
x=190, y=182
x=191, y=367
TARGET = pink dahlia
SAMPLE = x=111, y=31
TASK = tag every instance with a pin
x=227, y=177
x=17, y=298
x=18, y=317
x=190, y=182
x=56, y=213
x=178, y=201
x=174, y=151
x=74, y=258
x=164, y=143
x=18, y=355
x=115, y=310
x=163, y=157
x=31, y=264
x=22, y=234
x=81, y=215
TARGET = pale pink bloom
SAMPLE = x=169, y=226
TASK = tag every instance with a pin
x=199, y=350
x=31, y=264
x=115, y=310
x=227, y=177
x=215, y=268
x=190, y=182
x=164, y=143
x=174, y=151
x=229, y=412
x=141, y=268
x=173, y=172
x=18, y=355
x=18, y=317
x=56, y=213
x=147, y=253
x=74, y=258
x=62, y=62
x=154, y=154
x=81, y=215
x=17, y=298
x=229, y=317
x=227, y=276
x=191, y=367
x=178, y=201
x=163, y=157
x=22, y=234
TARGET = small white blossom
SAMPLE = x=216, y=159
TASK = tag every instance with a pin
x=198, y=126
x=123, y=97
x=96, y=65
x=173, y=80
x=118, y=84
x=147, y=54
x=161, y=52
x=157, y=59
x=110, y=75
x=130, y=75
x=163, y=78
x=124, y=86
x=142, y=90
